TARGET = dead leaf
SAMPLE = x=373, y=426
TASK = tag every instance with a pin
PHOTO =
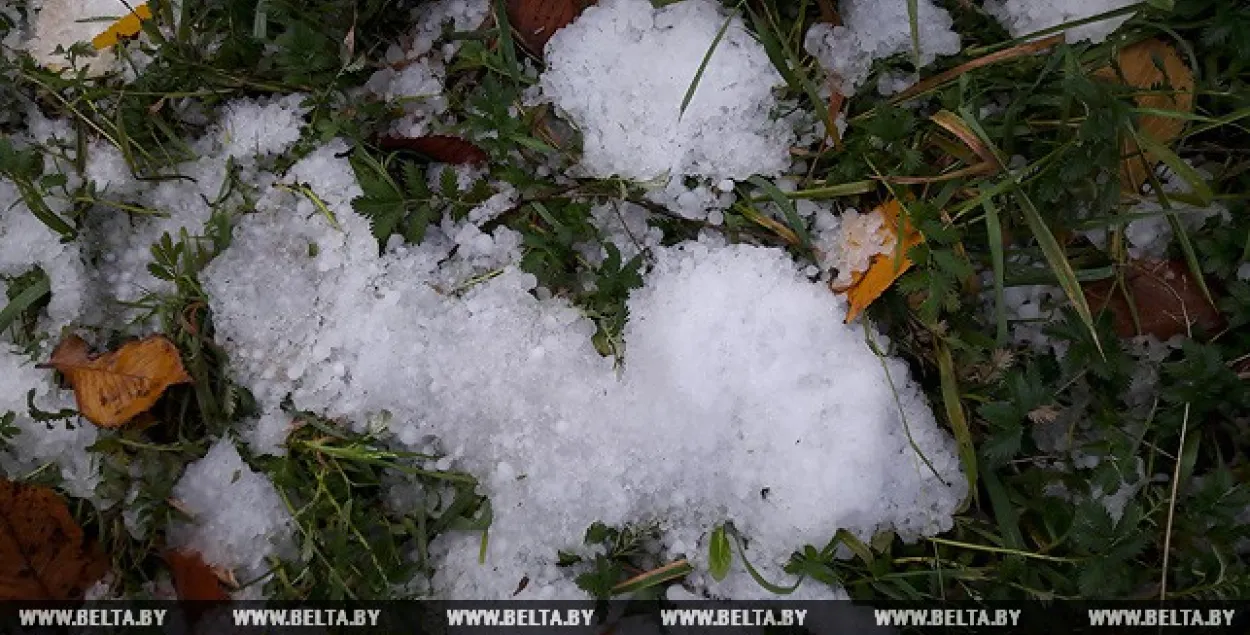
x=1170, y=88
x=441, y=148
x=127, y=26
x=43, y=553
x=884, y=269
x=115, y=387
x=1167, y=298
x=535, y=21
x=193, y=578
x=1044, y=414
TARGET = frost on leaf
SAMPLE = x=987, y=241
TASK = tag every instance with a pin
x=884, y=268
x=113, y=388
x=43, y=553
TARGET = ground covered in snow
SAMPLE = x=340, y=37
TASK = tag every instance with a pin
x=607, y=339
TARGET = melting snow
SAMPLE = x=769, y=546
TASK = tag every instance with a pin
x=622, y=69
x=237, y=518
x=516, y=394
x=877, y=29
x=738, y=377
x=1023, y=17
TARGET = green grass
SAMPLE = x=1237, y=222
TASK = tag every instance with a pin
x=1177, y=538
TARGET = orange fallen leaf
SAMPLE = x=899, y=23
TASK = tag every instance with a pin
x=113, y=388
x=883, y=269
x=1155, y=67
x=43, y=552
x=535, y=21
x=128, y=26
x=193, y=578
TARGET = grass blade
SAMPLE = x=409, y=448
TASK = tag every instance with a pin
x=789, y=64
x=506, y=46
x=1051, y=249
x=1004, y=514
x=24, y=300
x=707, y=57
x=955, y=415
x=1165, y=154
x=654, y=577
x=1191, y=257
x=994, y=231
x=787, y=207
x=913, y=21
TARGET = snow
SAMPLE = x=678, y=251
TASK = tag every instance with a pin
x=622, y=69
x=237, y=518
x=624, y=225
x=516, y=394
x=267, y=433
x=62, y=442
x=876, y=29
x=416, y=67
x=250, y=133
x=26, y=242
x=250, y=129
x=1028, y=310
x=1150, y=236
x=1025, y=17
x=63, y=23
x=738, y=374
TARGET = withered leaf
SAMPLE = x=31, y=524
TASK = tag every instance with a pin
x=43, y=552
x=126, y=27
x=441, y=148
x=535, y=21
x=113, y=388
x=1166, y=83
x=1167, y=298
x=883, y=269
x=193, y=578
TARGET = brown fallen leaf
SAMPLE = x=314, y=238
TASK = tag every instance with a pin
x=1170, y=88
x=441, y=148
x=883, y=269
x=193, y=578
x=1167, y=298
x=535, y=21
x=43, y=552
x=113, y=388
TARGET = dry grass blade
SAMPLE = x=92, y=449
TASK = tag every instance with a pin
x=953, y=124
x=997, y=57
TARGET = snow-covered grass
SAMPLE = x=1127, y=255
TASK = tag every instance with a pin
x=614, y=342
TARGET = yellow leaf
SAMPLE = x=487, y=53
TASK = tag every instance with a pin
x=115, y=387
x=127, y=26
x=1170, y=88
x=883, y=269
